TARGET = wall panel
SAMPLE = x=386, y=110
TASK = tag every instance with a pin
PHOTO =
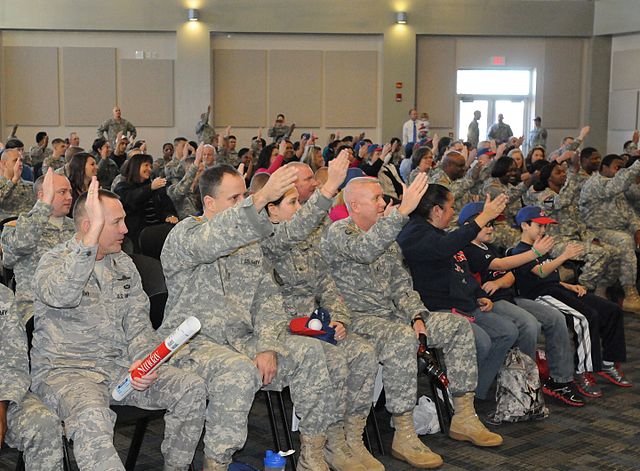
x=562, y=93
x=145, y=91
x=625, y=73
x=436, y=83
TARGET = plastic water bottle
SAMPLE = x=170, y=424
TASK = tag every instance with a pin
x=274, y=462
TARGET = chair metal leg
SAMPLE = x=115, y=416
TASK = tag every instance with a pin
x=287, y=433
x=372, y=418
x=272, y=421
x=136, y=443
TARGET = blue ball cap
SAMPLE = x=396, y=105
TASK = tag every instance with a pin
x=469, y=211
x=533, y=214
x=273, y=460
x=353, y=172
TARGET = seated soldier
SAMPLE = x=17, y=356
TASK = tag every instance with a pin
x=16, y=194
x=441, y=276
x=366, y=264
x=183, y=194
x=243, y=344
x=25, y=240
x=497, y=281
x=91, y=328
x=306, y=284
x=540, y=277
x=25, y=423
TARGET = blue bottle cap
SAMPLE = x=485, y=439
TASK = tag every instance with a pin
x=273, y=459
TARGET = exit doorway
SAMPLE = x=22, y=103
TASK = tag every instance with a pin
x=494, y=92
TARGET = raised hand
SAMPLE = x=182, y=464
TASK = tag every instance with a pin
x=199, y=151
x=95, y=214
x=282, y=147
x=583, y=132
x=17, y=171
x=494, y=208
x=412, y=194
x=158, y=183
x=544, y=244
x=48, y=190
x=281, y=181
x=337, y=173
x=571, y=251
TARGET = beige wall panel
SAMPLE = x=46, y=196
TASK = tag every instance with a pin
x=89, y=84
x=561, y=91
x=625, y=70
x=31, y=86
x=145, y=91
x=435, y=83
x=351, y=89
x=295, y=87
x=623, y=106
x=239, y=88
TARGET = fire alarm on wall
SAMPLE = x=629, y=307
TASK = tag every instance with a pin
x=398, y=97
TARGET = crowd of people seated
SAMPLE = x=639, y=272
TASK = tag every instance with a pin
x=468, y=243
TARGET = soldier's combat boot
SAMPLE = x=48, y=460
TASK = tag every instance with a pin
x=211, y=465
x=408, y=447
x=353, y=429
x=336, y=452
x=631, y=301
x=311, y=456
x=466, y=426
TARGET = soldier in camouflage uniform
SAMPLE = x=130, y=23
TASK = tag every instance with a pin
x=244, y=342
x=38, y=153
x=183, y=194
x=115, y=125
x=367, y=266
x=31, y=427
x=25, y=240
x=306, y=284
x=16, y=195
x=558, y=191
x=504, y=180
x=91, y=328
x=204, y=131
x=606, y=211
x=569, y=144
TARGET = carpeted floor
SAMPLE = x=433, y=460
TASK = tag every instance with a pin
x=604, y=435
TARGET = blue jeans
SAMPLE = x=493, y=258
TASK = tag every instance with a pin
x=556, y=335
x=494, y=336
x=527, y=325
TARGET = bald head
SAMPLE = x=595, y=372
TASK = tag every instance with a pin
x=62, y=199
x=453, y=164
x=359, y=189
x=364, y=200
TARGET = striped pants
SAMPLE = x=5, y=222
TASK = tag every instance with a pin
x=605, y=330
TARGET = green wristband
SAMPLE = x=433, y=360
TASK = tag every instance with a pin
x=535, y=251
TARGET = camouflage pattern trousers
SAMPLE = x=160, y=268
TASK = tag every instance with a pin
x=83, y=405
x=232, y=380
x=601, y=262
x=36, y=431
x=396, y=349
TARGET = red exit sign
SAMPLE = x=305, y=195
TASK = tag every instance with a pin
x=498, y=60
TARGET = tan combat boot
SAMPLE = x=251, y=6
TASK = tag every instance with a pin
x=311, y=457
x=211, y=465
x=466, y=425
x=631, y=301
x=408, y=447
x=353, y=429
x=336, y=452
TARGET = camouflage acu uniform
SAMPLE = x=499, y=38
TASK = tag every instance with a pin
x=91, y=324
x=463, y=189
x=602, y=261
x=174, y=171
x=15, y=198
x=606, y=211
x=204, y=131
x=505, y=235
x=633, y=197
x=24, y=241
x=37, y=155
x=54, y=162
x=184, y=200
x=215, y=270
x=368, y=270
x=113, y=127
x=32, y=428
x=568, y=147
x=226, y=157
x=306, y=284
x=279, y=132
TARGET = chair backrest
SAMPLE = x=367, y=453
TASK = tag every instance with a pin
x=151, y=239
x=154, y=286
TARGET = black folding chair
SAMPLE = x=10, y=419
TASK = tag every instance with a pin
x=151, y=239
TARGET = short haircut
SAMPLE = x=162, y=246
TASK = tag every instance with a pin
x=79, y=210
x=587, y=152
x=98, y=144
x=232, y=137
x=609, y=159
x=37, y=185
x=280, y=115
x=626, y=144
x=436, y=195
x=348, y=189
x=71, y=151
x=167, y=144
x=501, y=167
x=57, y=140
x=394, y=140
x=211, y=179
x=258, y=181
x=40, y=135
x=179, y=139
x=14, y=143
x=242, y=152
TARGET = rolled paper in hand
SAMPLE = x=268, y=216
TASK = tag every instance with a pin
x=162, y=353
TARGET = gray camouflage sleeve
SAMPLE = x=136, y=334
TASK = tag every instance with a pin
x=269, y=318
x=22, y=239
x=618, y=184
x=61, y=275
x=14, y=380
x=179, y=190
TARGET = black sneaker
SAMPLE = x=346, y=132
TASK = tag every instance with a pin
x=565, y=392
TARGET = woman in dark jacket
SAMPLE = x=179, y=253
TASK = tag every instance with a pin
x=145, y=201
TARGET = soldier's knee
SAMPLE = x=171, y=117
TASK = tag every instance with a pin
x=244, y=371
x=90, y=421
